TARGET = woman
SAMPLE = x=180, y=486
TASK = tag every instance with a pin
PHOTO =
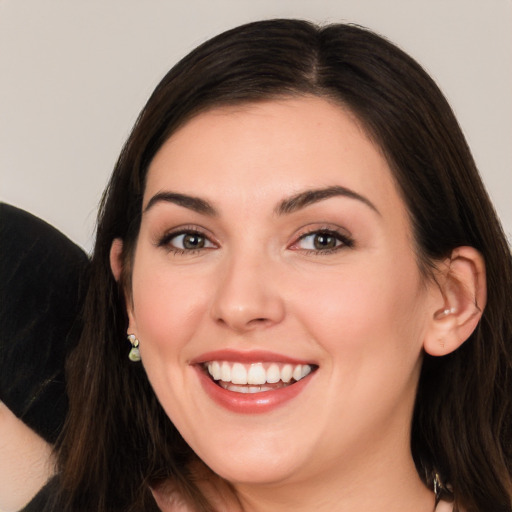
x=298, y=245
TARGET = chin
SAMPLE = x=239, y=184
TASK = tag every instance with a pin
x=262, y=473
x=257, y=463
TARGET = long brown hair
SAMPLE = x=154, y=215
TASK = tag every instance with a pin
x=118, y=440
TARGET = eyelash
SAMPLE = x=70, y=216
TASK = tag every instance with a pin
x=166, y=240
x=344, y=241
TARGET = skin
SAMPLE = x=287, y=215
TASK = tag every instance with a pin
x=362, y=313
x=26, y=462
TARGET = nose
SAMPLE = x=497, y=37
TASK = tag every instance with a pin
x=248, y=295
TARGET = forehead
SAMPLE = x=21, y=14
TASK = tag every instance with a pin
x=270, y=149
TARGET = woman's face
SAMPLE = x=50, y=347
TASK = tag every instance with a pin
x=276, y=294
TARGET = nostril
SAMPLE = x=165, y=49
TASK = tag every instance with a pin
x=241, y=309
x=259, y=321
x=242, y=324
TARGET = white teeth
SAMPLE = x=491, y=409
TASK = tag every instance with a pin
x=297, y=372
x=306, y=370
x=287, y=373
x=238, y=374
x=225, y=372
x=255, y=375
x=273, y=374
x=244, y=389
x=238, y=389
x=214, y=369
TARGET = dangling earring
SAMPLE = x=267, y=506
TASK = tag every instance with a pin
x=134, y=354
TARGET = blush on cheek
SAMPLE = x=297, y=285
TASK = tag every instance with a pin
x=364, y=311
x=165, y=318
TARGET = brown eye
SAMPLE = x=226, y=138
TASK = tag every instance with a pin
x=324, y=241
x=186, y=241
x=193, y=241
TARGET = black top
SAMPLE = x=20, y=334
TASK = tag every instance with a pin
x=42, y=502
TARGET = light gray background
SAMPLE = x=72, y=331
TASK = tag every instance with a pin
x=75, y=73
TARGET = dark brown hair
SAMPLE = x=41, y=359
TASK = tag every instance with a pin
x=118, y=440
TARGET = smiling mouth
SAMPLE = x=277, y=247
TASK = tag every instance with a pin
x=256, y=377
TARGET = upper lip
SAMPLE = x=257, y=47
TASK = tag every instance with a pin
x=251, y=356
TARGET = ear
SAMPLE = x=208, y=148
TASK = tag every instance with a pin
x=116, y=258
x=116, y=265
x=460, y=305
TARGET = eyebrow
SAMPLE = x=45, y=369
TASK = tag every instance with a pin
x=192, y=203
x=287, y=206
x=303, y=199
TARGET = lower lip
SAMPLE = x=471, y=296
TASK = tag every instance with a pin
x=250, y=403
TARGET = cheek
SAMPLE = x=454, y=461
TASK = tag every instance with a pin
x=165, y=308
x=369, y=324
x=371, y=311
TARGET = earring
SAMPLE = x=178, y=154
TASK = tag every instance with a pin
x=134, y=354
x=437, y=486
x=441, y=490
x=445, y=312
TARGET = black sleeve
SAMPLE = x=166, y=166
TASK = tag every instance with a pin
x=41, y=295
